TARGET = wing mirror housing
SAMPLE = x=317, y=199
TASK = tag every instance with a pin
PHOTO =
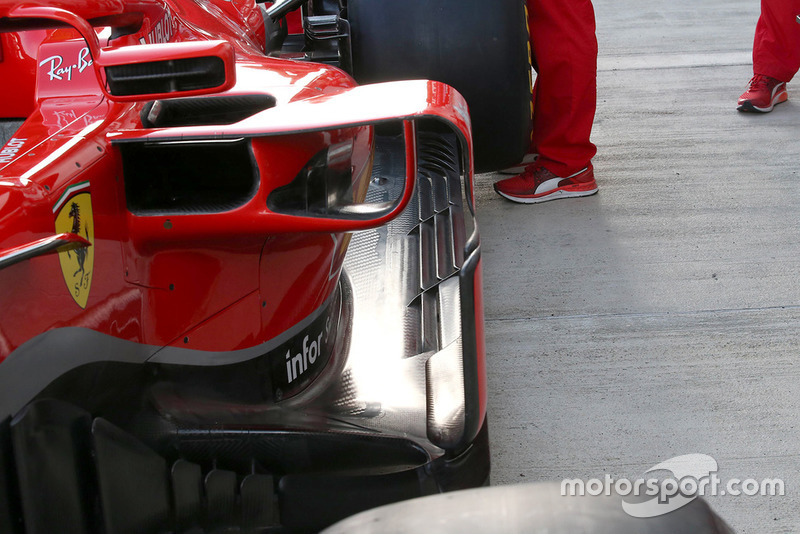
x=138, y=72
x=168, y=70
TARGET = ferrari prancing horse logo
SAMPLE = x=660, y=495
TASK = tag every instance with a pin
x=75, y=216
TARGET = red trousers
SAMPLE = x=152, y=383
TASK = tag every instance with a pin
x=564, y=54
x=776, y=48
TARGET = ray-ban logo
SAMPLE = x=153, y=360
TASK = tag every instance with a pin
x=58, y=70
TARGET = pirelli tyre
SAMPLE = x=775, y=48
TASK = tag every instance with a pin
x=478, y=47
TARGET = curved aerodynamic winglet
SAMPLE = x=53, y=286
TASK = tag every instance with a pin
x=47, y=245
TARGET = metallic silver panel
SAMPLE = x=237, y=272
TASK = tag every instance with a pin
x=430, y=321
x=427, y=254
x=405, y=301
x=450, y=311
x=445, y=381
x=425, y=196
x=445, y=262
x=441, y=199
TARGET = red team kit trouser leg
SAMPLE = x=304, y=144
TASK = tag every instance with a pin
x=564, y=48
x=776, y=47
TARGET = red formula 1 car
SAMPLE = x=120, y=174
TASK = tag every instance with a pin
x=240, y=282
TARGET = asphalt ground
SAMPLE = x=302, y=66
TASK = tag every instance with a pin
x=660, y=317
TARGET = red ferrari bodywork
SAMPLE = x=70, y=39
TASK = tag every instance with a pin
x=142, y=269
x=118, y=227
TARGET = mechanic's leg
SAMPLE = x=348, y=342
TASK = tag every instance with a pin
x=776, y=47
x=564, y=50
x=564, y=47
x=776, y=56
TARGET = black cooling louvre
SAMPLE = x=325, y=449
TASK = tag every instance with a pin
x=188, y=177
x=225, y=109
x=171, y=76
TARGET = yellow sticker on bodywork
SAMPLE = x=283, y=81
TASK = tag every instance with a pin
x=75, y=217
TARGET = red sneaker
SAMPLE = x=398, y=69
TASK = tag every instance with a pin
x=537, y=184
x=763, y=93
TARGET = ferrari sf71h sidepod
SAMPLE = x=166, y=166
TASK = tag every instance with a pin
x=266, y=290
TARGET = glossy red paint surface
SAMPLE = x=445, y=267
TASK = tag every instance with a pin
x=87, y=9
x=212, y=281
x=64, y=70
x=19, y=64
x=31, y=13
x=339, y=106
x=46, y=245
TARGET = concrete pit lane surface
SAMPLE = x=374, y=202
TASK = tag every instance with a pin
x=661, y=317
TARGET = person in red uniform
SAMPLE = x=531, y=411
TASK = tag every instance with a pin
x=776, y=56
x=564, y=54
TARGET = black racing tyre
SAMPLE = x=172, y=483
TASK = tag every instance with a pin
x=479, y=47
